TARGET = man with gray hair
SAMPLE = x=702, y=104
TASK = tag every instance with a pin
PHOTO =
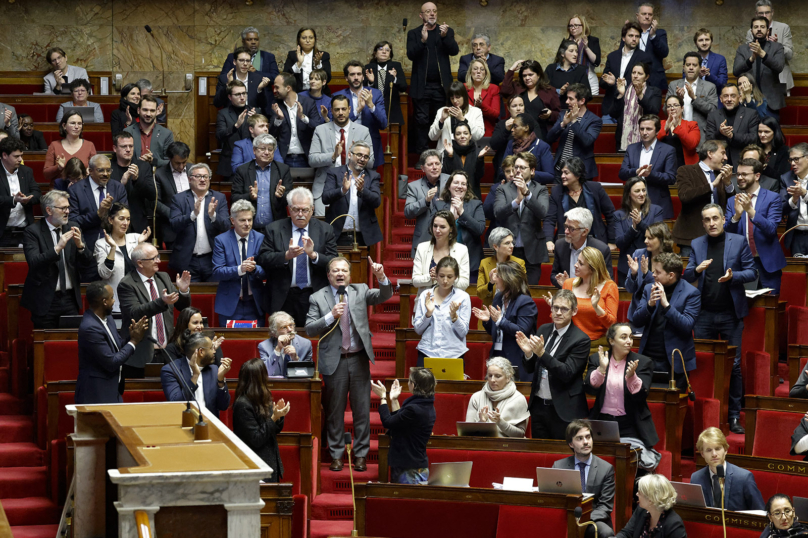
x=283, y=346
x=145, y=86
x=263, y=182
x=295, y=254
x=481, y=49
x=54, y=249
x=567, y=249
x=262, y=61
x=240, y=294
x=779, y=32
x=420, y=194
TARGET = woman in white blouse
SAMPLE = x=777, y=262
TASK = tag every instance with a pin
x=112, y=254
x=499, y=401
x=306, y=58
x=456, y=110
x=443, y=230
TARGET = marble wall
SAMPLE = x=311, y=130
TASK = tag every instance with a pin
x=196, y=35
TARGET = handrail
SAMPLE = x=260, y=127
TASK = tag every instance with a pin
x=143, y=525
x=66, y=521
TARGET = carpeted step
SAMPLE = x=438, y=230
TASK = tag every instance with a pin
x=384, y=323
x=11, y=405
x=400, y=221
x=401, y=236
x=16, y=429
x=390, y=306
x=381, y=370
x=4, y=379
x=340, y=482
x=376, y=427
x=35, y=531
x=31, y=511
x=320, y=529
x=398, y=269
x=398, y=253
x=19, y=482
x=21, y=455
x=332, y=506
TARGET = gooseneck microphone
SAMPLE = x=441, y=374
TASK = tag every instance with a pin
x=348, y=447
x=405, y=25
x=200, y=427
x=578, y=513
x=719, y=472
x=162, y=59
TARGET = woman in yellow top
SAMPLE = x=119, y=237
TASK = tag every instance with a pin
x=501, y=240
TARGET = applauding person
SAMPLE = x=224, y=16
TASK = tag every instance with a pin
x=592, y=283
x=499, y=401
x=283, y=345
x=682, y=135
x=443, y=229
x=460, y=201
x=636, y=214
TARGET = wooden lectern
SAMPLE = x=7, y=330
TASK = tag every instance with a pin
x=137, y=457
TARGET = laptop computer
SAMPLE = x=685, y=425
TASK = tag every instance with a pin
x=87, y=113
x=567, y=481
x=445, y=369
x=456, y=474
x=605, y=431
x=477, y=429
x=689, y=494
x=801, y=507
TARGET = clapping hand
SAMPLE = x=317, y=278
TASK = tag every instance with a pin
x=636, y=217
x=280, y=409
x=524, y=343
x=214, y=203
x=756, y=49
x=608, y=78
x=433, y=274
x=494, y=416
x=148, y=156
x=20, y=198
x=77, y=238
x=561, y=278
x=703, y=265
x=796, y=191
x=621, y=86
x=644, y=170
x=690, y=92
x=248, y=265
x=482, y=414
x=369, y=76
x=317, y=58
x=137, y=329
x=443, y=29
x=631, y=367
x=429, y=303
x=481, y=314
x=324, y=114
x=454, y=306
x=496, y=313
x=740, y=206
x=60, y=162
x=633, y=264
x=276, y=110
x=231, y=74
x=727, y=276
x=264, y=83
x=595, y=299
x=483, y=151
x=656, y=293
x=360, y=182
x=457, y=207
x=644, y=264
x=378, y=388
x=725, y=129
x=603, y=360
x=104, y=207
x=132, y=173
x=217, y=342
x=224, y=368
x=395, y=390
x=548, y=297
x=110, y=241
x=183, y=282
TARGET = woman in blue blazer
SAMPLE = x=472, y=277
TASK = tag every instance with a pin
x=524, y=139
x=638, y=275
x=635, y=215
x=515, y=306
x=576, y=191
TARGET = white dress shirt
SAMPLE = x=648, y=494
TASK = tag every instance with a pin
x=803, y=218
x=353, y=207
x=16, y=217
x=337, y=137
x=624, y=60
x=95, y=187
x=295, y=147
x=687, y=107
x=68, y=282
x=645, y=37
x=241, y=272
x=646, y=153
x=202, y=244
x=152, y=325
x=544, y=385
x=574, y=253
x=180, y=180
x=199, y=394
x=306, y=68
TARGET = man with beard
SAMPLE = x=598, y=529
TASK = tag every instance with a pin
x=261, y=61
x=794, y=191
x=735, y=125
x=136, y=175
x=21, y=193
x=420, y=194
x=576, y=237
x=151, y=139
x=764, y=60
x=699, y=96
x=367, y=106
x=295, y=118
x=232, y=125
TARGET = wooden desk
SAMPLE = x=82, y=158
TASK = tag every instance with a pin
x=755, y=403
x=735, y=521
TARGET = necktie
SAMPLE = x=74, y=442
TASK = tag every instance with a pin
x=382, y=76
x=582, y=468
x=245, y=288
x=100, y=199
x=750, y=231
x=345, y=326
x=62, y=272
x=704, y=64
x=158, y=318
x=301, y=267
x=342, y=141
x=551, y=342
x=716, y=492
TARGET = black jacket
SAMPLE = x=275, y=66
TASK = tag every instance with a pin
x=118, y=119
x=672, y=525
x=651, y=102
x=392, y=98
x=291, y=59
x=259, y=433
x=228, y=134
x=409, y=429
x=367, y=203
x=140, y=193
x=418, y=53
x=800, y=388
x=36, y=142
x=561, y=258
x=166, y=189
x=28, y=187
x=246, y=176
x=613, y=60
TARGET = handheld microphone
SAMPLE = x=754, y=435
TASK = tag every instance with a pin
x=341, y=293
x=719, y=472
x=188, y=420
x=348, y=447
x=578, y=513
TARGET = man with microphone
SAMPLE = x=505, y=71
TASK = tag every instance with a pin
x=338, y=315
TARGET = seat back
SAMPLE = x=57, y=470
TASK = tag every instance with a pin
x=773, y=482
x=773, y=431
x=61, y=360
x=658, y=416
x=404, y=518
x=240, y=351
x=705, y=530
x=511, y=520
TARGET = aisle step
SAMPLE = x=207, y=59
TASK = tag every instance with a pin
x=383, y=369
x=384, y=323
x=16, y=429
x=340, y=482
x=20, y=482
x=317, y=529
x=21, y=455
x=38, y=531
x=398, y=269
x=390, y=306
x=4, y=379
x=332, y=506
x=11, y=405
x=31, y=511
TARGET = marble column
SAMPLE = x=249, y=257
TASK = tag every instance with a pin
x=90, y=475
x=244, y=519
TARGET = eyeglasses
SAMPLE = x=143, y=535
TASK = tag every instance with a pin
x=670, y=107
x=744, y=176
x=64, y=208
x=300, y=210
x=155, y=259
x=239, y=94
x=788, y=512
x=197, y=176
x=795, y=159
x=572, y=228
x=244, y=60
x=520, y=168
x=361, y=156
x=575, y=26
x=560, y=309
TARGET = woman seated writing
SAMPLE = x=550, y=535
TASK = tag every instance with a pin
x=499, y=401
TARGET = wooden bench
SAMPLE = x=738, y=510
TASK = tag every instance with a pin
x=706, y=522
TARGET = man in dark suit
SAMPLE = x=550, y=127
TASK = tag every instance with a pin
x=231, y=125
x=240, y=294
x=794, y=192
x=713, y=65
x=262, y=61
x=735, y=125
x=653, y=41
x=148, y=292
x=753, y=151
x=353, y=190
x=620, y=63
x=709, y=181
x=420, y=194
x=136, y=176
x=151, y=139
x=389, y=77
x=556, y=356
x=654, y=161
x=198, y=215
x=295, y=255
x=202, y=380
x=576, y=237
x=721, y=263
x=755, y=213
x=295, y=118
x=367, y=106
x=481, y=48
x=263, y=182
x=172, y=178
x=19, y=193
x=255, y=83
x=765, y=60
x=102, y=351
x=597, y=476
x=428, y=48
x=54, y=250
x=576, y=131
x=521, y=205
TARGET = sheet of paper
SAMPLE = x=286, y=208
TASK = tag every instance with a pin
x=517, y=484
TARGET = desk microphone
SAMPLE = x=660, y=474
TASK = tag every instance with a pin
x=405, y=25
x=188, y=420
x=348, y=447
x=162, y=58
x=719, y=472
x=578, y=513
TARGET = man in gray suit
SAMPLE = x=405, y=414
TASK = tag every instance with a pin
x=779, y=32
x=345, y=354
x=520, y=206
x=8, y=120
x=283, y=345
x=331, y=145
x=151, y=139
x=420, y=194
x=700, y=97
x=764, y=60
x=597, y=476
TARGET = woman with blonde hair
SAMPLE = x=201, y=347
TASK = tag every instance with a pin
x=592, y=282
x=499, y=401
x=483, y=94
x=654, y=515
x=588, y=48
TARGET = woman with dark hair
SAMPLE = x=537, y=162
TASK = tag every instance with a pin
x=112, y=254
x=257, y=420
x=126, y=113
x=511, y=311
x=467, y=209
x=457, y=110
x=388, y=76
x=541, y=99
x=306, y=58
x=751, y=96
x=771, y=139
x=75, y=171
x=635, y=215
x=317, y=80
x=566, y=70
x=71, y=145
x=597, y=294
x=588, y=49
x=190, y=321
x=503, y=130
x=80, y=89
x=576, y=191
x=620, y=379
x=524, y=138
x=657, y=239
x=783, y=520
x=462, y=153
x=443, y=232
x=409, y=425
x=631, y=102
x=682, y=134
x=483, y=94
x=32, y=138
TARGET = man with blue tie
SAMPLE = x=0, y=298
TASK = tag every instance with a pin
x=367, y=106
x=240, y=295
x=755, y=214
x=295, y=255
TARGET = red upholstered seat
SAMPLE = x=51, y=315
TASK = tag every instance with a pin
x=616, y=199
x=608, y=173
x=605, y=143
x=511, y=521
x=61, y=360
x=404, y=518
x=773, y=482
x=773, y=431
x=473, y=362
x=544, y=311
x=756, y=371
x=544, y=279
x=797, y=321
x=622, y=309
x=300, y=522
x=14, y=273
x=490, y=467
x=300, y=420
x=665, y=466
x=704, y=530
x=705, y=411
x=792, y=139
x=290, y=456
x=754, y=338
x=240, y=351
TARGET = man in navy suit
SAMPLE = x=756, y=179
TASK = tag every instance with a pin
x=713, y=65
x=102, y=351
x=295, y=118
x=654, y=41
x=576, y=131
x=262, y=61
x=202, y=380
x=721, y=263
x=755, y=213
x=240, y=294
x=481, y=48
x=667, y=313
x=257, y=124
x=654, y=161
x=263, y=182
x=620, y=62
x=367, y=106
x=794, y=192
x=255, y=83
x=739, y=488
x=198, y=215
